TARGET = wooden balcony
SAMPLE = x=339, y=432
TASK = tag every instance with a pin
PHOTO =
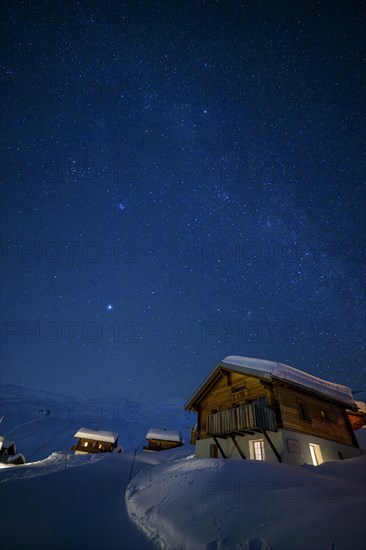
x=245, y=417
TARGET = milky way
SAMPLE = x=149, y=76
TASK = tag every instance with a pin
x=199, y=166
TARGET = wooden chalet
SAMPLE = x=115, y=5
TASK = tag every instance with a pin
x=162, y=439
x=96, y=441
x=263, y=410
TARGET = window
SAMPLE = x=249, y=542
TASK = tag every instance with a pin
x=238, y=394
x=304, y=413
x=315, y=453
x=260, y=400
x=256, y=448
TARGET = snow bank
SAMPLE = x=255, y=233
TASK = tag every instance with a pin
x=45, y=505
x=213, y=504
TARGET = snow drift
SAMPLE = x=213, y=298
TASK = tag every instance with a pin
x=220, y=504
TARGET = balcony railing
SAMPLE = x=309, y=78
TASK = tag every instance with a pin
x=245, y=417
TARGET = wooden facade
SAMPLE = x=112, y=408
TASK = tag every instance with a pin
x=161, y=445
x=314, y=415
x=230, y=390
x=163, y=439
x=233, y=402
x=96, y=441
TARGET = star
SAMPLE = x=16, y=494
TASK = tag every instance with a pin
x=109, y=307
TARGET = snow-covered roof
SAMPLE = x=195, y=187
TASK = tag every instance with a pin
x=96, y=435
x=6, y=443
x=269, y=370
x=164, y=435
x=285, y=372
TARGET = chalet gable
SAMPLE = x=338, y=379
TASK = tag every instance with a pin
x=272, y=372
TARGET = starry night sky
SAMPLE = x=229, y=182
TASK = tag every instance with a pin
x=181, y=181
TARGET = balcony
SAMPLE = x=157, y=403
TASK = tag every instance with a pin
x=245, y=417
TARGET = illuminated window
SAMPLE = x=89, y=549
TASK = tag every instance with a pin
x=256, y=448
x=85, y=444
x=316, y=454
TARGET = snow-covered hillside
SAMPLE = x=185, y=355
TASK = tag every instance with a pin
x=252, y=505
x=173, y=500
x=42, y=422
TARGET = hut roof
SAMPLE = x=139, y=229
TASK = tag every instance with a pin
x=164, y=435
x=96, y=435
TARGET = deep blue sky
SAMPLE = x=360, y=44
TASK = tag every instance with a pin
x=198, y=168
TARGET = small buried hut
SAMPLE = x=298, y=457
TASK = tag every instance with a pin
x=162, y=439
x=96, y=441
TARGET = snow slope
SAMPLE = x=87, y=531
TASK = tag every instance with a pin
x=45, y=506
x=61, y=500
x=221, y=504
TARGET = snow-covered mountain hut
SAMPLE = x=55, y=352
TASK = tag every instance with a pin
x=162, y=439
x=264, y=410
x=8, y=452
x=96, y=441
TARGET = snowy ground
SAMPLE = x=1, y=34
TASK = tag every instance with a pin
x=220, y=504
x=174, y=501
x=45, y=506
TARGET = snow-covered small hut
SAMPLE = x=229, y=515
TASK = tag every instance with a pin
x=96, y=441
x=8, y=452
x=162, y=439
x=264, y=410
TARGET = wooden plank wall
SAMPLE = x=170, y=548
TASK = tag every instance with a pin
x=336, y=428
x=161, y=444
x=221, y=396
